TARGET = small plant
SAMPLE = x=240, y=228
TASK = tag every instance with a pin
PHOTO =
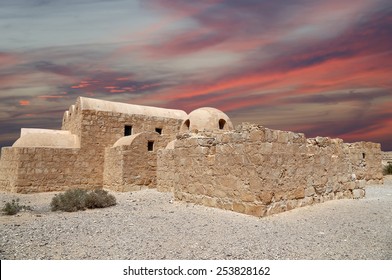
x=78, y=199
x=13, y=207
x=388, y=169
x=99, y=199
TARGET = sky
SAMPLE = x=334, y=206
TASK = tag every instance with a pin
x=321, y=67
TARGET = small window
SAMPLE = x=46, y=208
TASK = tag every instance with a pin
x=187, y=123
x=363, y=155
x=150, y=146
x=128, y=130
x=185, y=126
x=159, y=130
x=222, y=123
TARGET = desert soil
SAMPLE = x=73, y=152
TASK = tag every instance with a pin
x=149, y=225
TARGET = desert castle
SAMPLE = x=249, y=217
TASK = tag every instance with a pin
x=199, y=157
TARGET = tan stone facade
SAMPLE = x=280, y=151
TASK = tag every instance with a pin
x=50, y=160
x=259, y=171
x=386, y=158
x=200, y=157
x=131, y=164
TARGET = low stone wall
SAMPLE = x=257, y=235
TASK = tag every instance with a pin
x=259, y=171
x=386, y=158
x=45, y=169
x=366, y=158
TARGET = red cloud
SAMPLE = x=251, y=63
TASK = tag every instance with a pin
x=24, y=102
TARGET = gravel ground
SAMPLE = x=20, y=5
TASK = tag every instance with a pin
x=148, y=225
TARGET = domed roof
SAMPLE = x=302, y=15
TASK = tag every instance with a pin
x=126, y=140
x=31, y=137
x=206, y=118
x=170, y=145
x=136, y=139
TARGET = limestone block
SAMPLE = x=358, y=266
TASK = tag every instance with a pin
x=247, y=196
x=292, y=204
x=266, y=197
x=209, y=201
x=298, y=193
x=276, y=208
x=358, y=193
x=283, y=137
x=239, y=207
x=255, y=210
x=306, y=201
x=257, y=135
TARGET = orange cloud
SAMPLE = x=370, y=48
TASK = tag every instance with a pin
x=24, y=102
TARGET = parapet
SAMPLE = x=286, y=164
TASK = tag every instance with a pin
x=117, y=107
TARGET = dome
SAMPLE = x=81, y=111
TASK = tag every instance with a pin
x=137, y=139
x=126, y=140
x=206, y=119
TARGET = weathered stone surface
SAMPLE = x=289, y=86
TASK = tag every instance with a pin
x=276, y=173
x=358, y=193
x=97, y=125
x=252, y=170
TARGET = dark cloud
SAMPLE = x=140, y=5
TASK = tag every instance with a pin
x=49, y=67
x=334, y=98
x=287, y=53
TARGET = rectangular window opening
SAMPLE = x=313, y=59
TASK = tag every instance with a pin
x=159, y=130
x=127, y=130
x=150, y=146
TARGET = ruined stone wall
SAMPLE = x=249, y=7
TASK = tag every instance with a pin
x=9, y=162
x=132, y=166
x=258, y=171
x=366, y=159
x=386, y=158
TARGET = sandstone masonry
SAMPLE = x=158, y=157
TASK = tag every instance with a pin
x=200, y=157
x=259, y=171
x=386, y=158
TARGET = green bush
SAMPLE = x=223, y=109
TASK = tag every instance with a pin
x=13, y=207
x=388, y=169
x=78, y=199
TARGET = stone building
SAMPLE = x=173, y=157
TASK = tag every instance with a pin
x=198, y=156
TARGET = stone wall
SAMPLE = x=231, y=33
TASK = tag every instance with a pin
x=386, y=158
x=259, y=171
x=97, y=125
x=45, y=169
x=130, y=164
x=9, y=163
x=99, y=130
x=366, y=158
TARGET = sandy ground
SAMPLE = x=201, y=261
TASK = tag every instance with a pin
x=149, y=225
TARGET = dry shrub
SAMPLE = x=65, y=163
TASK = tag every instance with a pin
x=78, y=199
x=388, y=169
x=13, y=207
